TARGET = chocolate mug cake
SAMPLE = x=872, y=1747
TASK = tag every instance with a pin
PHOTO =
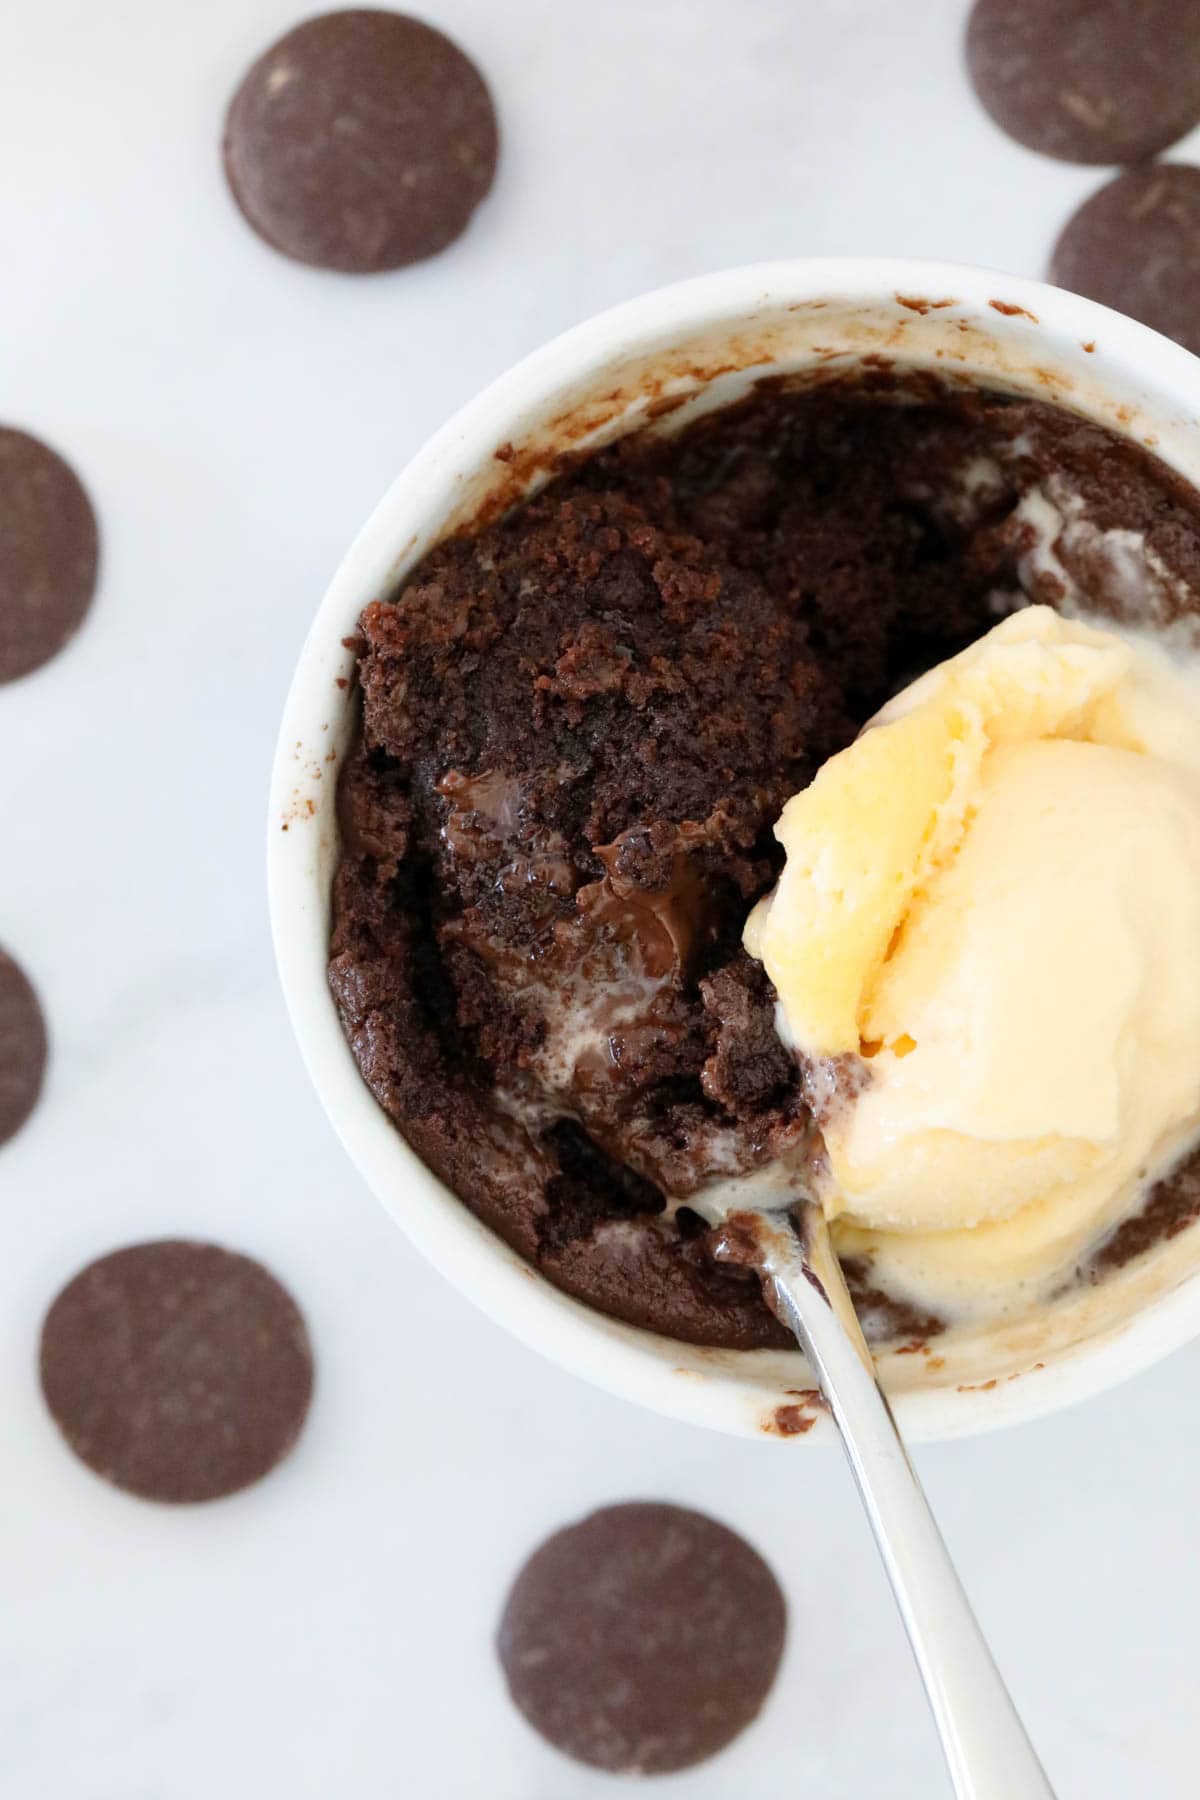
x=580, y=723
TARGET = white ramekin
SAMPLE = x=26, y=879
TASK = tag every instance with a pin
x=667, y=356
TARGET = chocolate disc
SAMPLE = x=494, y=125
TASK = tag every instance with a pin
x=1135, y=246
x=177, y=1370
x=1090, y=81
x=361, y=141
x=49, y=549
x=642, y=1639
x=22, y=1048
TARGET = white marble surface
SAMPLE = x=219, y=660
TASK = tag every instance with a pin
x=234, y=416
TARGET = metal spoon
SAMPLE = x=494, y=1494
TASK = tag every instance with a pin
x=986, y=1748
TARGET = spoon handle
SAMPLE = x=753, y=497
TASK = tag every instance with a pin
x=988, y=1753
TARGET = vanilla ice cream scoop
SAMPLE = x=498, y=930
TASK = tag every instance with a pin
x=992, y=898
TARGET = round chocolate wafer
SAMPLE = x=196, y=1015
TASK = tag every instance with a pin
x=361, y=141
x=49, y=550
x=642, y=1639
x=177, y=1370
x=1090, y=81
x=22, y=1048
x=1135, y=246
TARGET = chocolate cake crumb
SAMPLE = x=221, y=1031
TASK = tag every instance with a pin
x=1171, y=1205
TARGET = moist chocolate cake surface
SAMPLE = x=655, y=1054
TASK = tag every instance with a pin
x=579, y=725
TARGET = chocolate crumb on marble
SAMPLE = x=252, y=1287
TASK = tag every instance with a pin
x=178, y=1371
x=642, y=1639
